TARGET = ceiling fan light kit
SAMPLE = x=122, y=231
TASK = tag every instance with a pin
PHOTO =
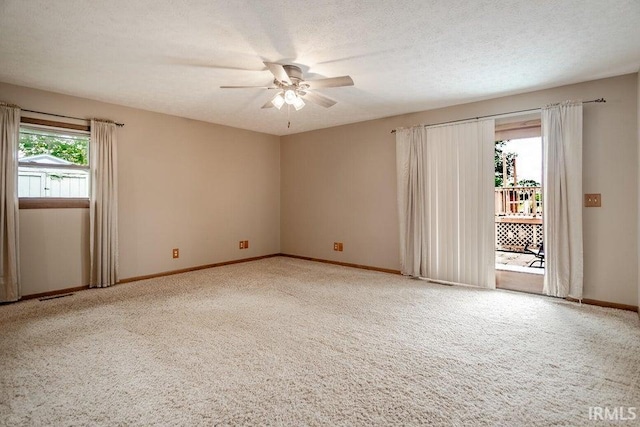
x=290, y=96
x=277, y=101
x=294, y=90
x=298, y=103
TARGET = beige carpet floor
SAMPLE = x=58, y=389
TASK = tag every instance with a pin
x=288, y=342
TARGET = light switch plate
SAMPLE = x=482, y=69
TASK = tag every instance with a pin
x=593, y=200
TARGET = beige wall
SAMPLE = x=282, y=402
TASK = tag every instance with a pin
x=54, y=249
x=339, y=184
x=202, y=187
x=192, y=185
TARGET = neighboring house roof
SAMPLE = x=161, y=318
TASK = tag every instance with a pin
x=47, y=159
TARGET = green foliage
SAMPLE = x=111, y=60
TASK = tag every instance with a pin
x=528, y=183
x=498, y=158
x=74, y=150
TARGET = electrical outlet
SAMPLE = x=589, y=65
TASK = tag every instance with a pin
x=176, y=253
x=336, y=246
x=246, y=244
x=592, y=200
x=241, y=245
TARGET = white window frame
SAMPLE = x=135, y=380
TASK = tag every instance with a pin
x=55, y=202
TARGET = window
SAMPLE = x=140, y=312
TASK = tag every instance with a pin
x=53, y=163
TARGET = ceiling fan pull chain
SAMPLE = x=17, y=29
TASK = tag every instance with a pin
x=288, y=118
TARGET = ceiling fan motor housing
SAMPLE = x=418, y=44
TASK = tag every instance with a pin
x=295, y=76
x=294, y=73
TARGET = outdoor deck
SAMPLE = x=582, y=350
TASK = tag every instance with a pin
x=518, y=223
x=514, y=259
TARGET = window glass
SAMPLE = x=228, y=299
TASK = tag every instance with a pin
x=53, y=163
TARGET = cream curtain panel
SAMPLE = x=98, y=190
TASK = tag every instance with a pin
x=9, y=253
x=103, y=215
x=562, y=195
x=445, y=202
x=411, y=156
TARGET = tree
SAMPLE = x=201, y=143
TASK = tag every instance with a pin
x=528, y=183
x=71, y=149
x=499, y=154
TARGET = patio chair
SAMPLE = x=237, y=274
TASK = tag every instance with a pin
x=539, y=255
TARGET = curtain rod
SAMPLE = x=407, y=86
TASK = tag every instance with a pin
x=501, y=114
x=66, y=117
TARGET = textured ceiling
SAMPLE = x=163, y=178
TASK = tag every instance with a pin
x=171, y=56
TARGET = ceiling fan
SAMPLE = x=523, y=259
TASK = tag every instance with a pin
x=294, y=90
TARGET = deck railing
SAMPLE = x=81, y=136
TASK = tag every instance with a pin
x=518, y=201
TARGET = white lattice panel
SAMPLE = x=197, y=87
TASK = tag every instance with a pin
x=515, y=236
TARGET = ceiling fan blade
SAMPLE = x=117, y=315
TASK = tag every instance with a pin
x=278, y=72
x=321, y=100
x=269, y=104
x=330, y=82
x=248, y=87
